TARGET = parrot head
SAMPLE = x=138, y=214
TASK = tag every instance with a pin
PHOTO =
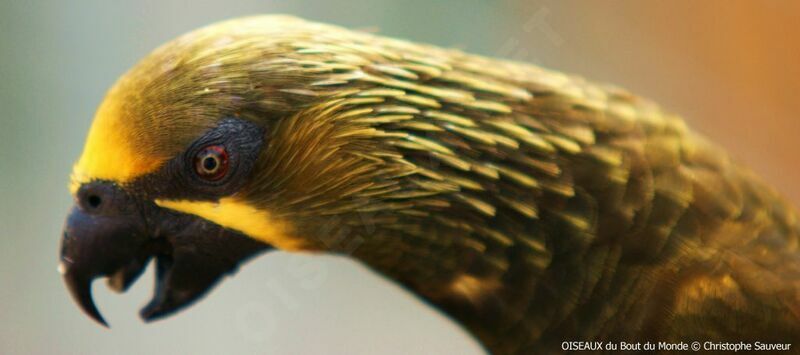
x=227, y=142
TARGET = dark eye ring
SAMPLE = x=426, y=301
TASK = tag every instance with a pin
x=211, y=163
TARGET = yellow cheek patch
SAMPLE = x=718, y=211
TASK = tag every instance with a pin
x=240, y=216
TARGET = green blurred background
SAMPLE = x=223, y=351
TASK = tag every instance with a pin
x=730, y=67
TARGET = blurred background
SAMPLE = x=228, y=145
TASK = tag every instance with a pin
x=730, y=67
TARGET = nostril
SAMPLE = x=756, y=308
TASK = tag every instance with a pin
x=94, y=201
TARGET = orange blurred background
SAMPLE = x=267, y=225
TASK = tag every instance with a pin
x=731, y=68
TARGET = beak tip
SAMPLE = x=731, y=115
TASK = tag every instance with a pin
x=103, y=322
x=81, y=290
x=93, y=313
x=150, y=314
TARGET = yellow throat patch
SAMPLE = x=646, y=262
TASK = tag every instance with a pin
x=238, y=215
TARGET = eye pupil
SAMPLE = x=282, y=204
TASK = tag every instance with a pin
x=211, y=163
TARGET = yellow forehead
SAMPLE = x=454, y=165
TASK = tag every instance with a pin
x=110, y=152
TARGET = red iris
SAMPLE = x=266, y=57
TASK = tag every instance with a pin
x=211, y=163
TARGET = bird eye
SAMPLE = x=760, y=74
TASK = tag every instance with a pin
x=211, y=163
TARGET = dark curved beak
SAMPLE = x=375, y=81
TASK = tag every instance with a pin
x=109, y=233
